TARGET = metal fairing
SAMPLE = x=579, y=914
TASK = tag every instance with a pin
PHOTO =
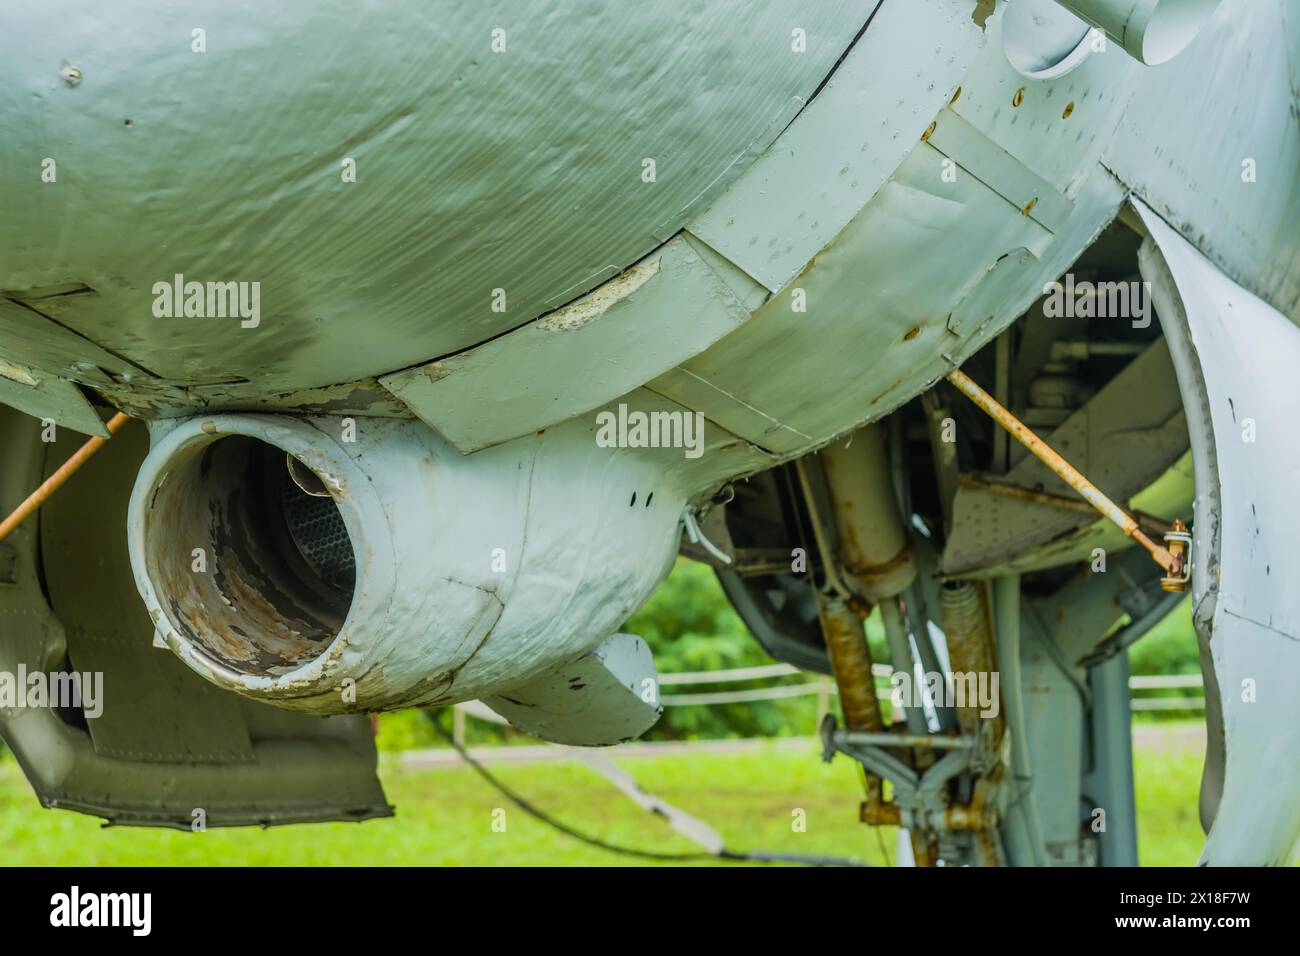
x=1186, y=141
x=1236, y=349
x=450, y=602
x=607, y=696
x=661, y=311
x=912, y=268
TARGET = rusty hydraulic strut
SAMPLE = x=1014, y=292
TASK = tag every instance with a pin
x=1173, y=561
x=56, y=480
x=842, y=612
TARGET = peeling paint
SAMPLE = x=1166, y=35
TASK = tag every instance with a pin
x=591, y=307
x=414, y=623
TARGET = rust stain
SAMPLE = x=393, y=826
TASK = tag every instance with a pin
x=231, y=611
x=880, y=814
x=1064, y=470
x=968, y=624
x=846, y=645
x=887, y=391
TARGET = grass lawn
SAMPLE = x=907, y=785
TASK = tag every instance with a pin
x=1167, y=777
x=445, y=816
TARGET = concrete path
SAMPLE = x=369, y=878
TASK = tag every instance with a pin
x=1164, y=736
x=549, y=753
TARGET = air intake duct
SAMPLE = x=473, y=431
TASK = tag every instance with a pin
x=331, y=565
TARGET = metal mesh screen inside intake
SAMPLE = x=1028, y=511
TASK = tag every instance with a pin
x=321, y=537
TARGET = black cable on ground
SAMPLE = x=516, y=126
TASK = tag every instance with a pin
x=723, y=854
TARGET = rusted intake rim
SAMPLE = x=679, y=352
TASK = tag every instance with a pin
x=225, y=579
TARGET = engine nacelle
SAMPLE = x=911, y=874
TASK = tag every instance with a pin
x=290, y=565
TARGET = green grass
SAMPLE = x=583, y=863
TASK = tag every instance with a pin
x=1167, y=779
x=445, y=817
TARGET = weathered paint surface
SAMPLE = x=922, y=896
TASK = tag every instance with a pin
x=475, y=169
x=660, y=312
x=893, y=261
x=49, y=397
x=473, y=574
x=608, y=696
x=790, y=204
x=1234, y=195
x=1246, y=563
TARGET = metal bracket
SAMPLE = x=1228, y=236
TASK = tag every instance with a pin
x=920, y=797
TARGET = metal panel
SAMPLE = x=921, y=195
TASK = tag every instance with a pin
x=179, y=719
x=53, y=398
x=843, y=148
x=1169, y=496
x=29, y=337
x=1241, y=354
x=608, y=696
x=1057, y=127
x=1000, y=171
x=1054, y=715
x=878, y=301
x=660, y=312
x=475, y=169
x=1240, y=79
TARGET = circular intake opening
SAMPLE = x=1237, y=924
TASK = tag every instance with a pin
x=249, y=556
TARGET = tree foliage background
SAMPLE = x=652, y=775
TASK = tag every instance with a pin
x=691, y=626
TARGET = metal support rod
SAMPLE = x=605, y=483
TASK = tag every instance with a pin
x=901, y=655
x=830, y=566
x=850, y=658
x=874, y=545
x=1006, y=612
x=56, y=480
x=1109, y=781
x=1067, y=472
x=918, y=620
